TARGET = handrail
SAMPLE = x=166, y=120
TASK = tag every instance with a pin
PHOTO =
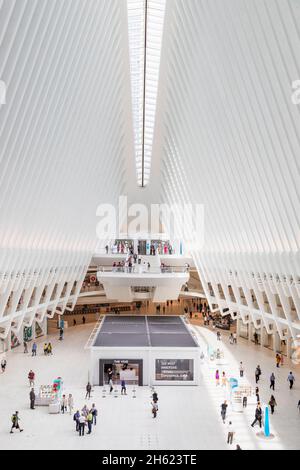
x=140, y=269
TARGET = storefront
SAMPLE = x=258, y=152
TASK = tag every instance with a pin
x=130, y=370
x=145, y=351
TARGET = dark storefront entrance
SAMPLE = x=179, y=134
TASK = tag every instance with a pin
x=130, y=370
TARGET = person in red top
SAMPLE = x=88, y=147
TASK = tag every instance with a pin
x=31, y=378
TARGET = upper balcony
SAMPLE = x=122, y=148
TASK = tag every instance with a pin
x=147, y=279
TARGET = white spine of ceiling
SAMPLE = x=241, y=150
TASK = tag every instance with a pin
x=62, y=135
x=143, y=135
x=231, y=140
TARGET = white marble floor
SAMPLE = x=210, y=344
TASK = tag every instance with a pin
x=189, y=418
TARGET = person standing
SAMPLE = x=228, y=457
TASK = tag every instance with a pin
x=88, y=391
x=154, y=410
x=15, y=422
x=94, y=412
x=231, y=433
x=124, y=389
x=76, y=418
x=111, y=386
x=272, y=404
x=258, y=374
x=217, y=378
x=242, y=370
x=245, y=401
x=272, y=382
x=70, y=403
x=32, y=399
x=109, y=375
x=82, y=423
x=25, y=347
x=291, y=379
x=89, y=420
x=31, y=378
x=3, y=365
x=224, y=407
x=64, y=404
x=34, y=349
x=278, y=360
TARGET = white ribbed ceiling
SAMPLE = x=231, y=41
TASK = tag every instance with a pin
x=231, y=140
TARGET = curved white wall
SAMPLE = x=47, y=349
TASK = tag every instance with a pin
x=231, y=140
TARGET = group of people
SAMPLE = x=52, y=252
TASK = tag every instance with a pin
x=259, y=413
x=86, y=418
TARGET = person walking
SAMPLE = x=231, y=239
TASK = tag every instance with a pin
x=258, y=416
x=257, y=395
x=25, y=347
x=272, y=404
x=34, y=349
x=217, y=378
x=82, y=423
x=258, y=374
x=45, y=349
x=291, y=379
x=50, y=350
x=31, y=378
x=242, y=370
x=231, y=433
x=32, y=399
x=15, y=422
x=88, y=391
x=111, y=386
x=3, y=365
x=272, y=382
x=224, y=407
x=245, y=401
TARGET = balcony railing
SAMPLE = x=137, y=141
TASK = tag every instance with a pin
x=140, y=269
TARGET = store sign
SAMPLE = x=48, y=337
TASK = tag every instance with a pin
x=172, y=370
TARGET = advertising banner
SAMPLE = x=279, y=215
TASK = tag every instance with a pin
x=174, y=370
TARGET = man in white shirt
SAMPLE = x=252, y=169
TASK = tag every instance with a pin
x=231, y=433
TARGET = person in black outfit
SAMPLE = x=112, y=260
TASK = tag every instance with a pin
x=110, y=375
x=32, y=399
x=88, y=390
x=258, y=417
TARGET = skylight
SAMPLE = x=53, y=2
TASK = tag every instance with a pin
x=145, y=22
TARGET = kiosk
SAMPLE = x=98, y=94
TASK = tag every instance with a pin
x=145, y=351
